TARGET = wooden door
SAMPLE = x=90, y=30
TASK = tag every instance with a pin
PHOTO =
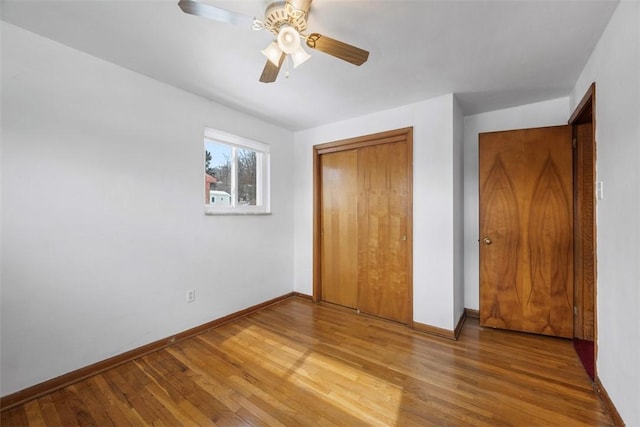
x=339, y=243
x=382, y=231
x=362, y=224
x=526, y=230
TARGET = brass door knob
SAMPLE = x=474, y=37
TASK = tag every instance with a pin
x=486, y=241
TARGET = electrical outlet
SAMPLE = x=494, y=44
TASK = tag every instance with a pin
x=190, y=296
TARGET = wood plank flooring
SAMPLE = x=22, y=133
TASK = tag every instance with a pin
x=298, y=364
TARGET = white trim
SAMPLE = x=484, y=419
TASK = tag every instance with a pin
x=234, y=177
x=236, y=141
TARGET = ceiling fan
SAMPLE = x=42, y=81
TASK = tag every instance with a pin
x=287, y=20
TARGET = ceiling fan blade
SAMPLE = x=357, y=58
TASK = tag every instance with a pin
x=270, y=72
x=215, y=13
x=336, y=48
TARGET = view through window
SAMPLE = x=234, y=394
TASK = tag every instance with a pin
x=236, y=174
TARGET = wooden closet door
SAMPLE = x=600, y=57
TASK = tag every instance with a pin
x=526, y=230
x=339, y=231
x=382, y=231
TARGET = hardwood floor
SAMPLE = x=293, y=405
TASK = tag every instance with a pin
x=297, y=363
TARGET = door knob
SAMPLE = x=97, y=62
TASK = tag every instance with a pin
x=486, y=241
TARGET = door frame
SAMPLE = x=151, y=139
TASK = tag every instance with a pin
x=397, y=135
x=585, y=112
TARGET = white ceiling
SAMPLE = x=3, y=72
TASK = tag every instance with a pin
x=491, y=54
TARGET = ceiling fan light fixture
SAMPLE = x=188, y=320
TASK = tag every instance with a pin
x=287, y=21
x=288, y=39
x=273, y=53
x=299, y=57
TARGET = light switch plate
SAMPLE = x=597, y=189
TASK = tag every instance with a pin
x=599, y=190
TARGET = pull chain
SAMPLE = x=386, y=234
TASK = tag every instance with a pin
x=288, y=65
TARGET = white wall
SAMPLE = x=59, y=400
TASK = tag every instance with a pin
x=615, y=67
x=458, y=211
x=433, y=200
x=541, y=114
x=102, y=213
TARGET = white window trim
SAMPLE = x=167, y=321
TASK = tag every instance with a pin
x=263, y=174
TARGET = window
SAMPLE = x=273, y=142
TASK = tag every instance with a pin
x=236, y=174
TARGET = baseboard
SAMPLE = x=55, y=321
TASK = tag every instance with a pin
x=608, y=403
x=441, y=332
x=301, y=295
x=460, y=324
x=33, y=392
x=472, y=312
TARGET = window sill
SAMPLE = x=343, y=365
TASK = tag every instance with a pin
x=236, y=213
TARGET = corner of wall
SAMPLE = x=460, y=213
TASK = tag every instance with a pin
x=458, y=210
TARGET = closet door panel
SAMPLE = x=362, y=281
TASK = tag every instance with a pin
x=339, y=231
x=383, y=288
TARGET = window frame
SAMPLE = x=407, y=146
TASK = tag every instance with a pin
x=263, y=174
